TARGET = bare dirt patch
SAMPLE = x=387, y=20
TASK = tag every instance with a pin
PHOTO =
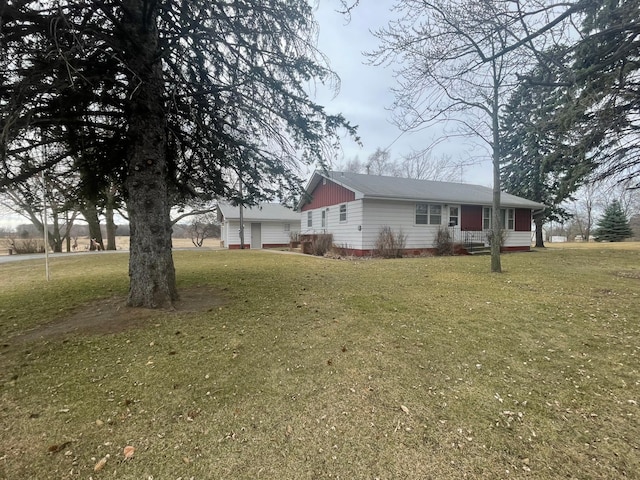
x=111, y=315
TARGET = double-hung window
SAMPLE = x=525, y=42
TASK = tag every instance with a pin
x=507, y=218
x=454, y=216
x=309, y=219
x=486, y=218
x=428, y=214
x=343, y=212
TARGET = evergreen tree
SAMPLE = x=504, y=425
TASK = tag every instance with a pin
x=541, y=161
x=603, y=66
x=165, y=100
x=614, y=225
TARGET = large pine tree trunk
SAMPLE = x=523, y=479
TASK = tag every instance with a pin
x=539, y=221
x=55, y=239
x=90, y=213
x=151, y=269
x=109, y=220
x=111, y=229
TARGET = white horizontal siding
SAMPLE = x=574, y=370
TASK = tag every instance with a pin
x=274, y=232
x=345, y=234
x=232, y=233
x=399, y=216
x=518, y=239
x=372, y=215
x=224, y=233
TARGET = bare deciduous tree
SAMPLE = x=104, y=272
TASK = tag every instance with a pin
x=583, y=210
x=448, y=70
x=623, y=191
x=379, y=163
x=202, y=227
x=27, y=199
x=422, y=165
x=353, y=165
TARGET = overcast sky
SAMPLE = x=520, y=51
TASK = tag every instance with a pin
x=365, y=93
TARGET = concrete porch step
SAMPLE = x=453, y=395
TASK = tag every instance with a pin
x=479, y=251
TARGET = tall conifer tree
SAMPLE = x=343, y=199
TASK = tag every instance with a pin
x=614, y=225
x=188, y=95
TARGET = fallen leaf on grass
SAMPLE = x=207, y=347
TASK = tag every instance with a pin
x=58, y=448
x=128, y=452
x=404, y=409
x=100, y=465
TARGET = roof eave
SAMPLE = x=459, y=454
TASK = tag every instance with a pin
x=532, y=205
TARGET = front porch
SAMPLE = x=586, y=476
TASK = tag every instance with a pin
x=477, y=242
x=473, y=242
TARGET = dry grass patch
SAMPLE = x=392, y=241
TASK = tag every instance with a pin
x=315, y=368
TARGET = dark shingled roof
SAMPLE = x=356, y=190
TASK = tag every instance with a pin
x=264, y=211
x=396, y=188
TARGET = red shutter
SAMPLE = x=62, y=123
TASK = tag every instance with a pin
x=523, y=220
x=471, y=218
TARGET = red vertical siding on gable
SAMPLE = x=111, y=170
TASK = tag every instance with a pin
x=523, y=220
x=327, y=194
x=471, y=218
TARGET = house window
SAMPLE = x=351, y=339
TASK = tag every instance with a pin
x=486, y=218
x=428, y=214
x=287, y=227
x=507, y=218
x=323, y=223
x=343, y=212
x=309, y=219
x=454, y=216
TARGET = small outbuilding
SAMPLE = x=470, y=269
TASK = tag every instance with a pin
x=355, y=207
x=268, y=225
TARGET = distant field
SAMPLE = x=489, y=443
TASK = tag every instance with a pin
x=595, y=245
x=122, y=243
x=279, y=366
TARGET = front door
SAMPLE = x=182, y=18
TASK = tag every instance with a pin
x=256, y=235
x=454, y=222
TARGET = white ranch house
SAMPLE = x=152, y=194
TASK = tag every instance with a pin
x=268, y=225
x=354, y=207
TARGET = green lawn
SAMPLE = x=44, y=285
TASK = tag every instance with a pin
x=312, y=368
